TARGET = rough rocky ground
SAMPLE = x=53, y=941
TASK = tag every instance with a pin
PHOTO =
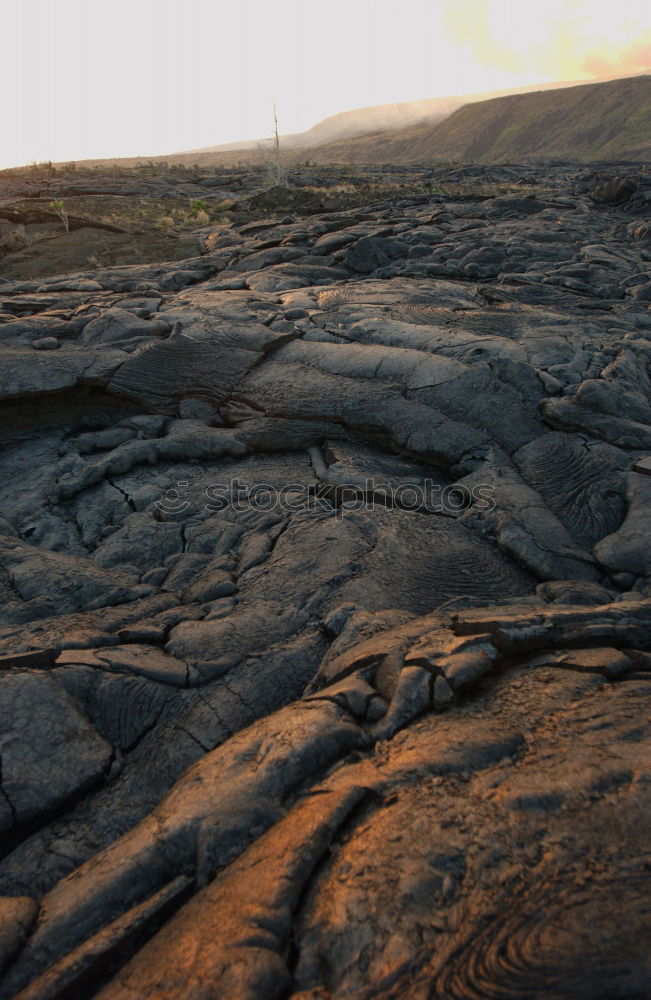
x=325, y=564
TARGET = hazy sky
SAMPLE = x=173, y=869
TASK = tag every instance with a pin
x=93, y=78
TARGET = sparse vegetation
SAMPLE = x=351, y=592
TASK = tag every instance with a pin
x=58, y=207
x=44, y=167
x=159, y=223
x=196, y=207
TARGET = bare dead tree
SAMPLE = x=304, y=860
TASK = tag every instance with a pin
x=279, y=171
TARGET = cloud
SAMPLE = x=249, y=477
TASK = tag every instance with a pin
x=632, y=59
x=562, y=40
x=474, y=25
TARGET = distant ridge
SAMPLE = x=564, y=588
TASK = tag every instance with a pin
x=607, y=120
x=376, y=118
x=597, y=121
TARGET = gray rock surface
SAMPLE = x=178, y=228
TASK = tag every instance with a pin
x=325, y=619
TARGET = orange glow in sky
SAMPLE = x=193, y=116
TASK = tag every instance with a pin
x=88, y=78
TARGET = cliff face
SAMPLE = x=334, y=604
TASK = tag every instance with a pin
x=378, y=117
x=602, y=121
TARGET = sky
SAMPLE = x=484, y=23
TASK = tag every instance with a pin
x=90, y=78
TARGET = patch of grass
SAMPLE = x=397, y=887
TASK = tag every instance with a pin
x=197, y=206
